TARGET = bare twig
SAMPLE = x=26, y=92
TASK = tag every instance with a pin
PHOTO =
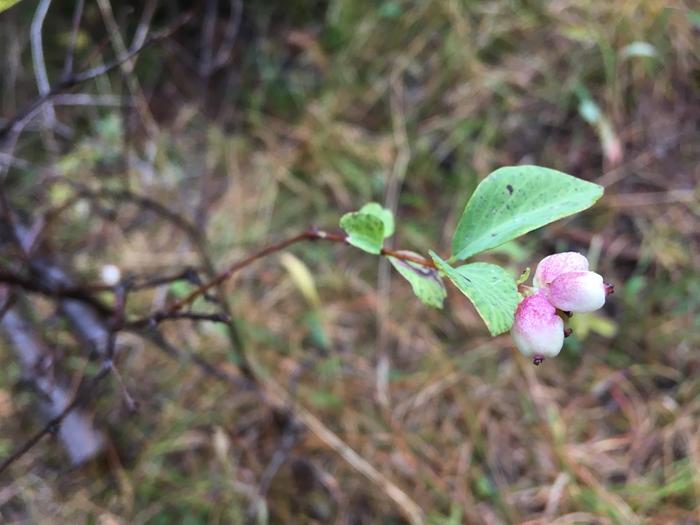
x=56, y=290
x=88, y=99
x=233, y=25
x=75, y=27
x=144, y=24
x=86, y=324
x=54, y=424
x=309, y=235
x=8, y=218
x=60, y=288
x=42, y=78
x=11, y=128
x=174, y=316
x=208, y=23
x=78, y=436
x=127, y=65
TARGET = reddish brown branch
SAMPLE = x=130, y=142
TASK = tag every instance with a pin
x=85, y=293
x=309, y=235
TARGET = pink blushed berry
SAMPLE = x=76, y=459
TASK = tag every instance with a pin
x=537, y=330
x=577, y=292
x=562, y=286
x=555, y=265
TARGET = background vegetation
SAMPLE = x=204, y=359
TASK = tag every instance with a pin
x=312, y=109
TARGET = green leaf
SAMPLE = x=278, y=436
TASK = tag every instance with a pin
x=490, y=288
x=523, y=276
x=426, y=282
x=368, y=227
x=514, y=200
x=365, y=231
x=6, y=4
x=383, y=214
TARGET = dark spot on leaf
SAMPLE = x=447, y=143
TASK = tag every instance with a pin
x=510, y=189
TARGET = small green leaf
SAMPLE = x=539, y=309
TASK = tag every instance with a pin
x=368, y=227
x=523, y=276
x=514, y=200
x=6, y=4
x=426, y=282
x=383, y=214
x=490, y=288
x=365, y=231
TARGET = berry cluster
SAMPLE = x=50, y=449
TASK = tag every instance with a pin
x=563, y=285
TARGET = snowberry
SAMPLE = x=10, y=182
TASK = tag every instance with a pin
x=537, y=330
x=562, y=282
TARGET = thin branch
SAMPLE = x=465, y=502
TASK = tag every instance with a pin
x=189, y=274
x=232, y=27
x=8, y=218
x=19, y=120
x=117, y=324
x=86, y=293
x=88, y=99
x=40, y=286
x=42, y=78
x=127, y=66
x=208, y=24
x=54, y=424
x=309, y=235
x=8, y=299
x=75, y=27
x=147, y=203
x=144, y=24
x=174, y=316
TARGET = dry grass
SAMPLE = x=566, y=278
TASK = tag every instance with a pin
x=325, y=110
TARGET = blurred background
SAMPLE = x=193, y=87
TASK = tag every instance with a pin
x=207, y=130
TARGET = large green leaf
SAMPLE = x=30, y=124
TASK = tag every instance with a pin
x=490, y=288
x=6, y=4
x=426, y=282
x=368, y=227
x=514, y=200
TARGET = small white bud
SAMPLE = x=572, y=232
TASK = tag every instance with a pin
x=110, y=274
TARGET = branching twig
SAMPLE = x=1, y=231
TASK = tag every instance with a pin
x=84, y=294
x=108, y=354
x=54, y=424
x=309, y=235
x=17, y=122
x=127, y=65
